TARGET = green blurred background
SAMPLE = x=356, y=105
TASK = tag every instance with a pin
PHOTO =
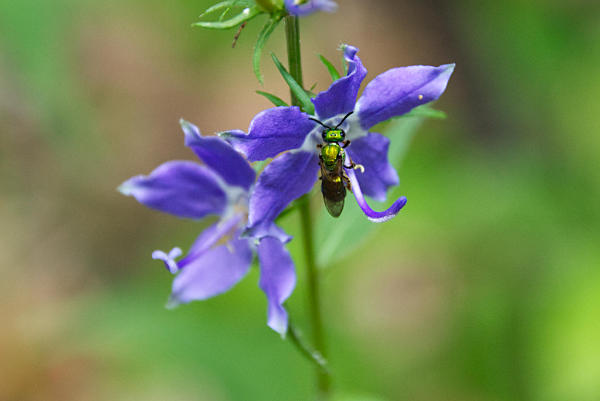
x=485, y=288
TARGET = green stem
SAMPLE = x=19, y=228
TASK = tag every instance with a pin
x=292, y=34
x=314, y=298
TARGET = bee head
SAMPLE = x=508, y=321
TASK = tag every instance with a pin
x=333, y=135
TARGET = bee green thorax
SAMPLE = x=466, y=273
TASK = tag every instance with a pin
x=330, y=154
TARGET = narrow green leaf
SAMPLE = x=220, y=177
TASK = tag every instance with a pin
x=335, y=75
x=425, y=111
x=224, y=13
x=310, y=92
x=227, y=5
x=263, y=36
x=274, y=99
x=296, y=89
x=246, y=15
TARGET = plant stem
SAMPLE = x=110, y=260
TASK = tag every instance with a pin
x=314, y=298
x=292, y=34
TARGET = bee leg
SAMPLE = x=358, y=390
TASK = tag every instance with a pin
x=345, y=143
x=319, y=145
x=347, y=183
x=356, y=166
x=320, y=165
x=352, y=164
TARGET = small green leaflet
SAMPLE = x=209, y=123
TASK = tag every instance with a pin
x=335, y=75
x=274, y=99
x=296, y=89
x=246, y=15
x=310, y=92
x=263, y=36
x=226, y=5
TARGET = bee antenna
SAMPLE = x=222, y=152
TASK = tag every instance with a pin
x=343, y=119
x=317, y=121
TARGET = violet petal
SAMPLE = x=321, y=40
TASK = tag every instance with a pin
x=277, y=280
x=221, y=231
x=297, y=8
x=285, y=179
x=181, y=188
x=340, y=98
x=220, y=156
x=212, y=272
x=399, y=90
x=271, y=132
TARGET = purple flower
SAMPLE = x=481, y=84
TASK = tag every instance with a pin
x=221, y=256
x=305, y=7
x=392, y=93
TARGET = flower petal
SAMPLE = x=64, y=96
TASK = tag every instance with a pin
x=283, y=180
x=182, y=188
x=340, y=98
x=212, y=272
x=371, y=152
x=277, y=280
x=218, y=232
x=377, y=217
x=271, y=132
x=301, y=8
x=222, y=231
x=217, y=154
x=399, y=90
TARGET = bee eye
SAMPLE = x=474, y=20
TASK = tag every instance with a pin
x=343, y=134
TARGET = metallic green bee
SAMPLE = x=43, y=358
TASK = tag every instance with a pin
x=331, y=160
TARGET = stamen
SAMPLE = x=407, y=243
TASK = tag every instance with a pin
x=420, y=97
x=359, y=167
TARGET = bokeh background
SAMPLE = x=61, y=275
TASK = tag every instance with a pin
x=485, y=288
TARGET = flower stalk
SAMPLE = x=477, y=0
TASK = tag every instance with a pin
x=292, y=36
x=292, y=33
